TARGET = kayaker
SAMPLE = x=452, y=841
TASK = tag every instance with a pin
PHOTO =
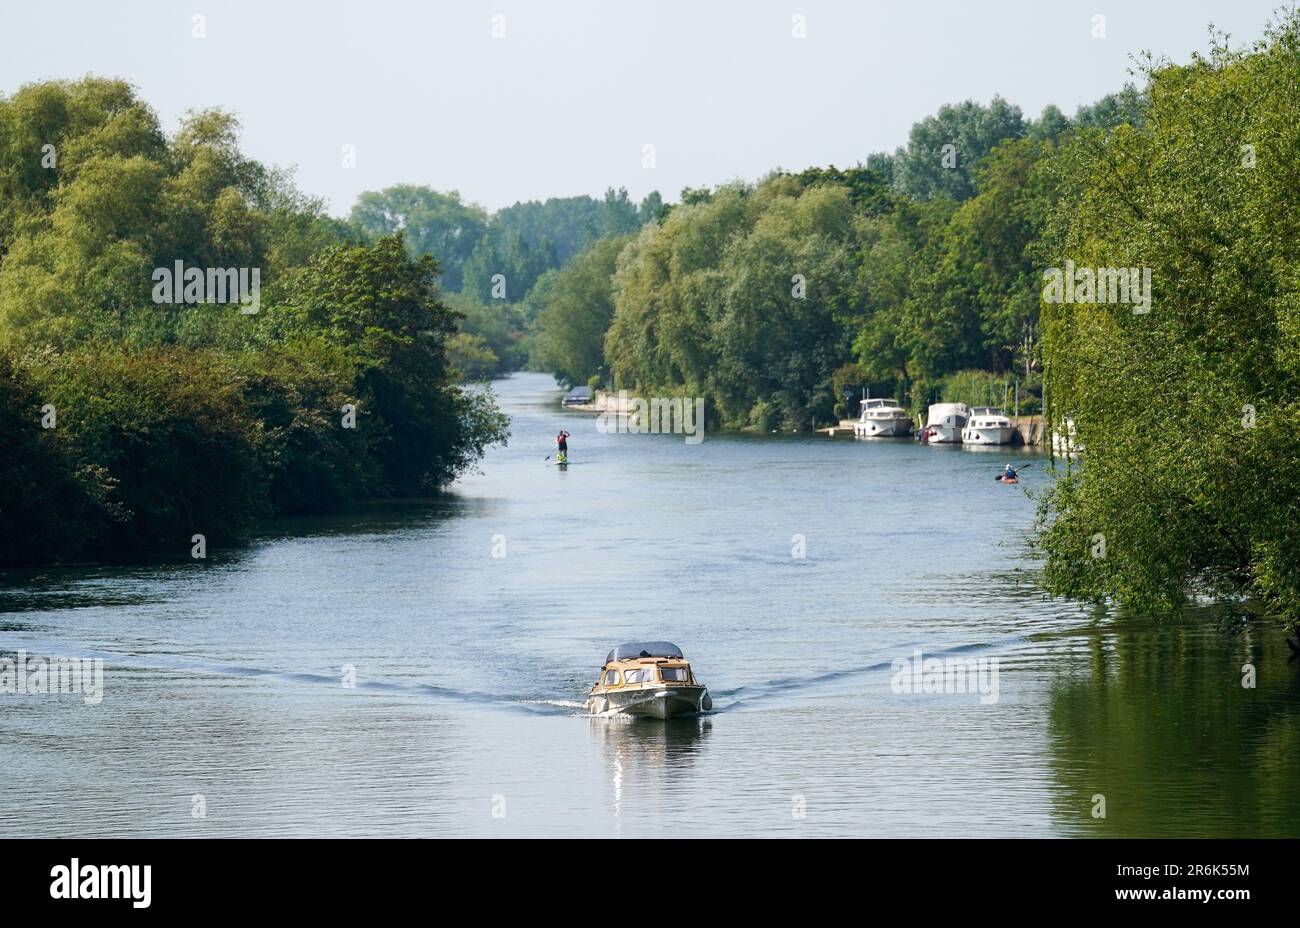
x=1010, y=473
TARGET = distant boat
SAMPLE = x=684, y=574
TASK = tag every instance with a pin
x=650, y=679
x=1066, y=445
x=578, y=396
x=881, y=418
x=945, y=422
x=987, y=425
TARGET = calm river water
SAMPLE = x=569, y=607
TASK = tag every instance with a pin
x=224, y=679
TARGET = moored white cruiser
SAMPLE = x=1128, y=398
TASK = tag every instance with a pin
x=881, y=418
x=945, y=422
x=987, y=425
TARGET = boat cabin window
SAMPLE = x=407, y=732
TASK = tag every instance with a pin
x=611, y=678
x=640, y=675
x=674, y=674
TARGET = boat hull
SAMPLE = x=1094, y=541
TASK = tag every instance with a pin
x=943, y=434
x=884, y=428
x=653, y=702
x=990, y=435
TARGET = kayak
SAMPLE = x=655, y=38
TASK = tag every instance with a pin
x=1007, y=480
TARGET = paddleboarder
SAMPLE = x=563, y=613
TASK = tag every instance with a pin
x=562, y=447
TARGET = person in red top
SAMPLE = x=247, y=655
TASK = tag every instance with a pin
x=562, y=446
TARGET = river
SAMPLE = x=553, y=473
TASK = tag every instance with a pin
x=420, y=670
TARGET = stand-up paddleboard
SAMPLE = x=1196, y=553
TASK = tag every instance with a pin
x=564, y=463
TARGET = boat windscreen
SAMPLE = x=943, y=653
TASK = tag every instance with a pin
x=635, y=649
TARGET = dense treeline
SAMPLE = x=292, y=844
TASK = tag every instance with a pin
x=913, y=275
x=497, y=265
x=921, y=274
x=1189, y=414
x=131, y=425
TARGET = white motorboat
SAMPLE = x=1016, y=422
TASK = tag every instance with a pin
x=987, y=425
x=945, y=422
x=881, y=418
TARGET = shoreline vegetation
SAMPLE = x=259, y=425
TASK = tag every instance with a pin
x=1170, y=353
x=932, y=273
x=135, y=425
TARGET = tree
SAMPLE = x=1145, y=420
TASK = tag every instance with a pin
x=433, y=223
x=943, y=149
x=183, y=419
x=1188, y=414
x=578, y=309
x=652, y=208
x=1127, y=107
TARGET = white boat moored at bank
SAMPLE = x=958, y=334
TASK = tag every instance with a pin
x=882, y=418
x=945, y=422
x=987, y=425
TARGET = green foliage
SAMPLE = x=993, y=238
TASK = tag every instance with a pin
x=527, y=240
x=740, y=298
x=497, y=259
x=497, y=328
x=578, y=309
x=472, y=358
x=1127, y=107
x=912, y=271
x=505, y=267
x=869, y=190
x=975, y=388
x=384, y=305
x=296, y=388
x=436, y=224
x=850, y=378
x=926, y=168
x=181, y=419
x=48, y=506
x=1192, y=493
x=151, y=447
x=572, y=224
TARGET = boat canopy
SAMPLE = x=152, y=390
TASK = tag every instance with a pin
x=939, y=410
x=635, y=649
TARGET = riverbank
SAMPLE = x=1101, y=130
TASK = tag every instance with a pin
x=1029, y=430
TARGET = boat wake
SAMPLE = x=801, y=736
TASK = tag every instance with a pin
x=332, y=679
x=740, y=698
x=756, y=694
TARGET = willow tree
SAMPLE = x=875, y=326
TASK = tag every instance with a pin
x=579, y=306
x=1188, y=414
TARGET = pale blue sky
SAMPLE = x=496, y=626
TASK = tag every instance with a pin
x=565, y=101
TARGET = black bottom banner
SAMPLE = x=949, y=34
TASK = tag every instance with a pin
x=139, y=877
